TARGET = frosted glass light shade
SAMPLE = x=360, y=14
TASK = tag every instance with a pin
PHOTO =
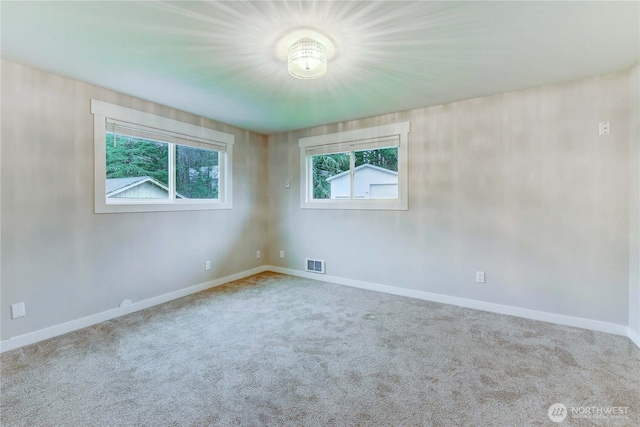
x=307, y=59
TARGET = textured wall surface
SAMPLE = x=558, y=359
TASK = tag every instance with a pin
x=519, y=185
x=64, y=261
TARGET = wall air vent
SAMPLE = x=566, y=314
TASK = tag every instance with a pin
x=315, y=265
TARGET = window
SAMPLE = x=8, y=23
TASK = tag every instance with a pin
x=359, y=169
x=147, y=163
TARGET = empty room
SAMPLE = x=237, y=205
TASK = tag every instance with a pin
x=320, y=213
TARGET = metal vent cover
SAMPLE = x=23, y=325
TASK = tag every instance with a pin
x=314, y=265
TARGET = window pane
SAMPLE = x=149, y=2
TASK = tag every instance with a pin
x=376, y=174
x=197, y=173
x=136, y=168
x=331, y=176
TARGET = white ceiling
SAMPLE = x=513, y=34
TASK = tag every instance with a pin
x=219, y=59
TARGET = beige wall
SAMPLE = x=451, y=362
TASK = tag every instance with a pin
x=634, y=201
x=64, y=261
x=518, y=185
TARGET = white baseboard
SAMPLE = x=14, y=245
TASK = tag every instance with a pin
x=53, y=331
x=633, y=336
x=560, y=319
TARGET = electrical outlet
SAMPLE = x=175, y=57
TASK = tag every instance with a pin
x=17, y=310
x=287, y=184
x=207, y=265
x=480, y=277
x=257, y=254
x=281, y=254
x=604, y=128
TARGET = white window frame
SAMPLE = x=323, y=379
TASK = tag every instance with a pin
x=202, y=137
x=358, y=138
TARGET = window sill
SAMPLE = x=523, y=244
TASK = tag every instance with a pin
x=163, y=206
x=380, y=205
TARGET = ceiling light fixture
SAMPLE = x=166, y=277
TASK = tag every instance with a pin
x=307, y=59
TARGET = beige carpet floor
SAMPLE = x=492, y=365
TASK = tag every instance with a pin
x=276, y=350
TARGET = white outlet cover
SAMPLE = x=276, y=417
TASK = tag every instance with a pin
x=480, y=277
x=207, y=265
x=281, y=254
x=17, y=310
x=257, y=254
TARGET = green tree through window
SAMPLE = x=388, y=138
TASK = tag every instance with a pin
x=326, y=166
x=386, y=158
x=196, y=173
x=129, y=157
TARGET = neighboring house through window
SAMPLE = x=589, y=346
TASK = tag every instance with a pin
x=370, y=182
x=142, y=187
x=358, y=169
